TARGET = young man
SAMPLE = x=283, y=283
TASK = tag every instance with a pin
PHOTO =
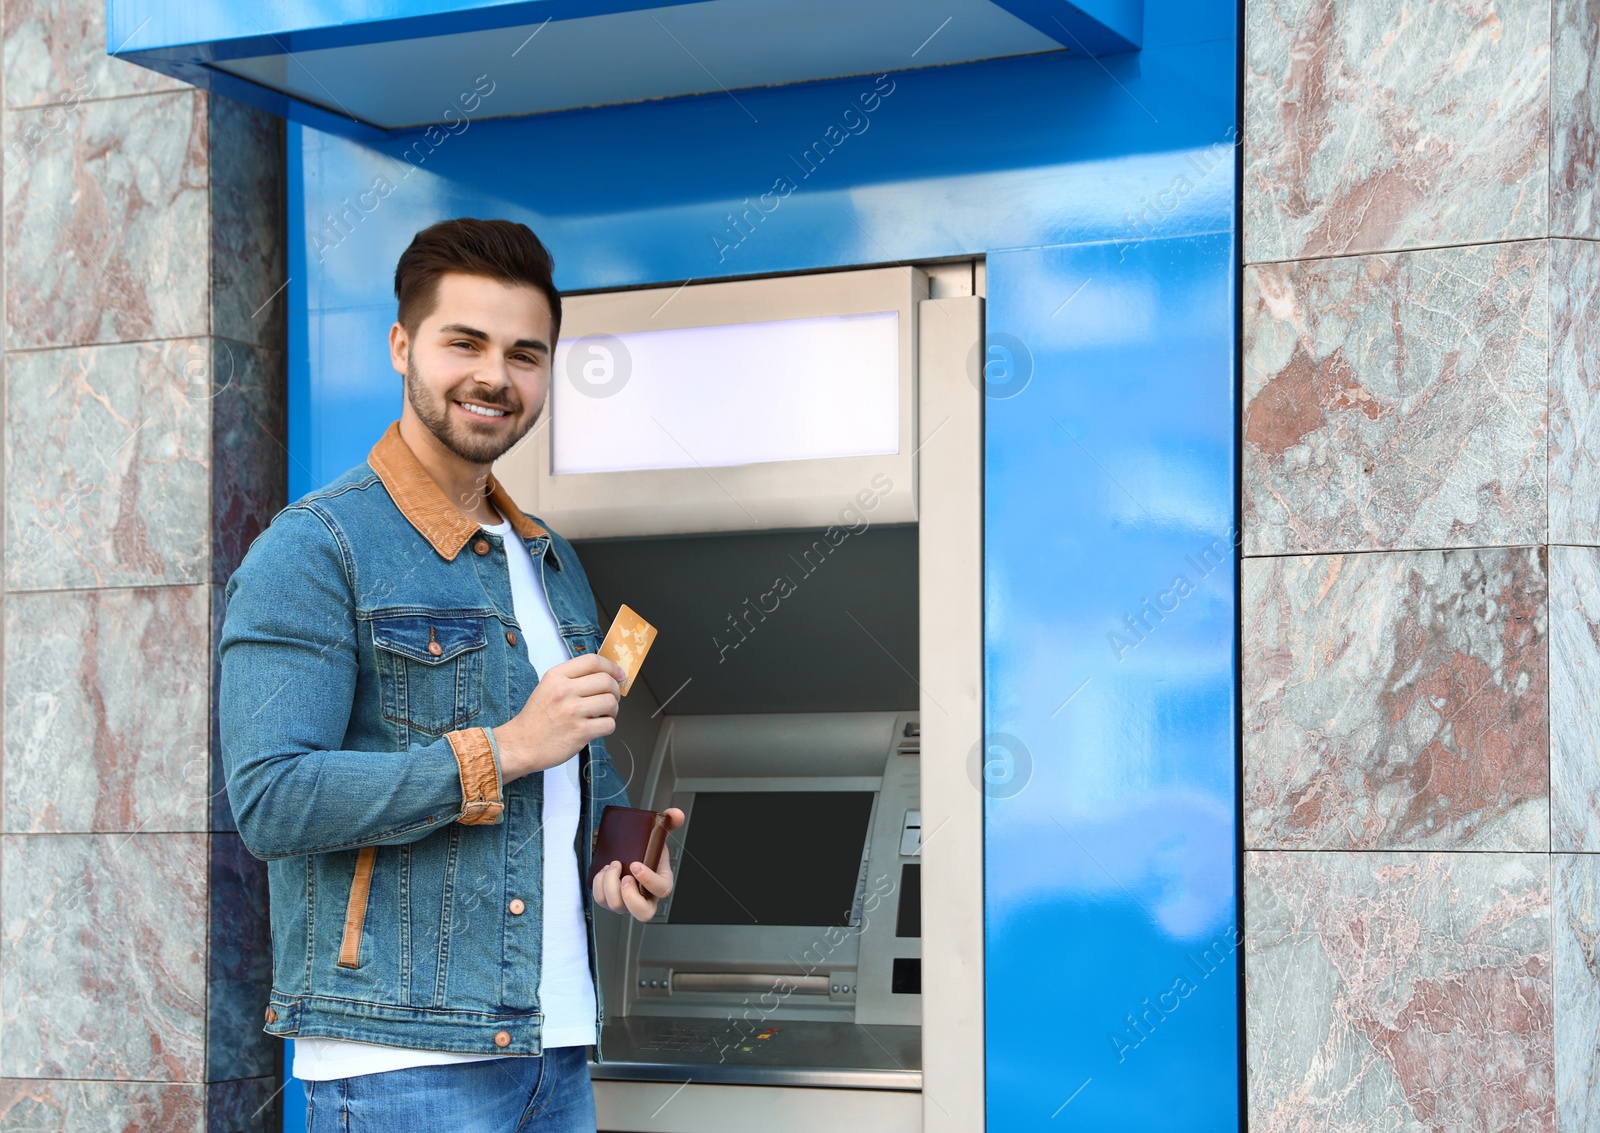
x=413, y=710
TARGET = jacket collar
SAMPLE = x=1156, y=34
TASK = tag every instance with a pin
x=426, y=506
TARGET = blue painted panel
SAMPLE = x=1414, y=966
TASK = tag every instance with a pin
x=728, y=45
x=209, y=30
x=179, y=38
x=353, y=66
x=1091, y=27
x=1104, y=473
x=294, y=1095
x=951, y=161
x=1109, y=634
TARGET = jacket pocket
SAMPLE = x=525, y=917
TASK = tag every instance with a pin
x=430, y=669
x=355, y=913
x=581, y=639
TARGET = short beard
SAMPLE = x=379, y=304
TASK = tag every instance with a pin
x=450, y=433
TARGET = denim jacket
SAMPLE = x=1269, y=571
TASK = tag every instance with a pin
x=368, y=652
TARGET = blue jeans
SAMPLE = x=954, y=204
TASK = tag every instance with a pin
x=550, y=1094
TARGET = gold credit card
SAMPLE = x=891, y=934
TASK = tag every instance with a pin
x=626, y=643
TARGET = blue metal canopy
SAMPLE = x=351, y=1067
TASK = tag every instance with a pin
x=363, y=68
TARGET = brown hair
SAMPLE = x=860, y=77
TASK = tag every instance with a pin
x=499, y=249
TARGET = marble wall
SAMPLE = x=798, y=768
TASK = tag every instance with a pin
x=1420, y=634
x=143, y=429
x=1397, y=701
x=1390, y=991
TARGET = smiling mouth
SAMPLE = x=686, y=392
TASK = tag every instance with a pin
x=484, y=412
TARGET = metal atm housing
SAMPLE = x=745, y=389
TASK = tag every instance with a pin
x=819, y=964
x=790, y=952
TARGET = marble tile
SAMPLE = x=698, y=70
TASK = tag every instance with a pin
x=239, y=965
x=1575, y=118
x=106, y=222
x=105, y=710
x=1574, y=391
x=1576, y=897
x=1396, y=701
x=252, y=1105
x=1396, y=401
x=1375, y=126
x=1575, y=699
x=55, y=49
x=249, y=448
x=45, y=1106
x=249, y=250
x=1398, y=993
x=107, y=454
x=104, y=944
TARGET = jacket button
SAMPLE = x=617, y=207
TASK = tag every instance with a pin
x=481, y=546
x=511, y=637
x=502, y=1038
x=435, y=648
x=272, y=1016
x=516, y=906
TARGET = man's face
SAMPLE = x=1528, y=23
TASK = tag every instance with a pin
x=478, y=366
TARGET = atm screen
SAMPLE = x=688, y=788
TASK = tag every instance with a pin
x=771, y=858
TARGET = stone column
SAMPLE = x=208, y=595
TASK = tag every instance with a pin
x=143, y=435
x=1421, y=580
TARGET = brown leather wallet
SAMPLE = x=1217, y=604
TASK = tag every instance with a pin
x=628, y=834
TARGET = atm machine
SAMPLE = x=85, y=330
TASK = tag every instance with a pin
x=790, y=950
x=784, y=476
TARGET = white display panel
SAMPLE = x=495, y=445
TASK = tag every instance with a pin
x=715, y=396
x=736, y=405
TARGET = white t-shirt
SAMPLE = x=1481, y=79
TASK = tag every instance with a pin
x=566, y=990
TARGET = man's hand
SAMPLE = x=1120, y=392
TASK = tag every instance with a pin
x=575, y=702
x=634, y=889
